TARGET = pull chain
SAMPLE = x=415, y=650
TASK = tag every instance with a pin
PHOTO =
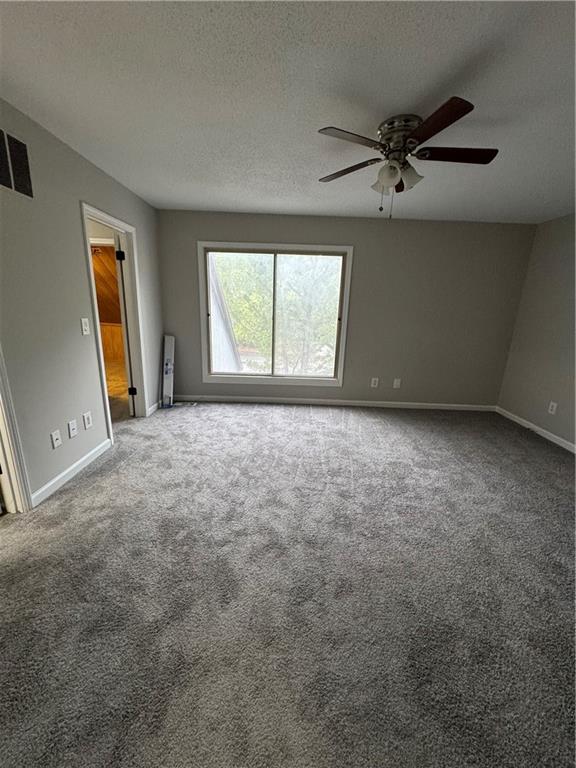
x=391, y=201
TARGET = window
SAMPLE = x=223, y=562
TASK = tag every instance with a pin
x=273, y=315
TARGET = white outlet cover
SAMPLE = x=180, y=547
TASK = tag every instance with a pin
x=87, y=418
x=72, y=428
x=374, y=382
x=397, y=384
x=552, y=408
x=56, y=438
x=85, y=326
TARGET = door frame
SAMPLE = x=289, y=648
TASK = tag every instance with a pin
x=133, y=308
x=11, y=453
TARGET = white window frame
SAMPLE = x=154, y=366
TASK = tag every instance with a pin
x=346, y=251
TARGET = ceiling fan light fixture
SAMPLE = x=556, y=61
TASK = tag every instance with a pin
x=377, y=187
x=410, y=177
x=388, y=176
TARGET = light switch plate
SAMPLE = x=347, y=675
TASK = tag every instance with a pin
x=85, y=326
x=397, y=384
x=87, y=419
x=72, y=428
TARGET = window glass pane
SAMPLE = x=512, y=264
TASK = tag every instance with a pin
x=241, y=289
x=307, y=302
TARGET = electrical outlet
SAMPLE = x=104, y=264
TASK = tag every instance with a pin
x=397, y=383
x=56, y=438
x=85, y=326
x=87, y=419
x=72, y=428
x=552, y=408
x=374, y=381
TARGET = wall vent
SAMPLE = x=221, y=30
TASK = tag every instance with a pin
x=14, y=165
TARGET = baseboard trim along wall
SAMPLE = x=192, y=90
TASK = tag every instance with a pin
x=535, y=428
x=58, y=481
x=330, y=401
x=152, y=409
x=382, y=404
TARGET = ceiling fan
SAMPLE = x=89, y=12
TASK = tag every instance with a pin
x=399, y=138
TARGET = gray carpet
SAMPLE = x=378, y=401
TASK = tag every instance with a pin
x=295, y=587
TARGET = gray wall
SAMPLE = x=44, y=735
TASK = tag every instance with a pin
x=44, y=291
x=540, y=366
x=431, y=302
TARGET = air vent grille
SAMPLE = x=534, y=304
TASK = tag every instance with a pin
x=14, y=165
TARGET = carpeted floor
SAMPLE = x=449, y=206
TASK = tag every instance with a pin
x=238, y=586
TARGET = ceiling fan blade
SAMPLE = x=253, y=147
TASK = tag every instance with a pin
x=400, y=186
x=457, y=155
x=351, y=169
x=338, y=133
x=451, y=111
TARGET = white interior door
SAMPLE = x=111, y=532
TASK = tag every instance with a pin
x=121, y=276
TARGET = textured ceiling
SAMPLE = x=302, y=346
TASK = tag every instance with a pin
x=216, y=106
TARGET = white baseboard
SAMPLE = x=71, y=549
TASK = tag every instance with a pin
x=57, y=482
x=330, y=401
x=381, y=404
x=151, y=409
x=535, y=428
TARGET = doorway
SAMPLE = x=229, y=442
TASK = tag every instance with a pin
x=104, y=245
x=111, y=253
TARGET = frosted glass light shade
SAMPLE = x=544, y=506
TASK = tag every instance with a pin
x=388, y=176
x=377, y=187
x=410, y=177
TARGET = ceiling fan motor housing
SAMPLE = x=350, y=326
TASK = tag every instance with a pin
x=394, y=133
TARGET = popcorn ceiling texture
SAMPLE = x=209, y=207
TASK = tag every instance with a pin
x=217, y=105
x=264, y=586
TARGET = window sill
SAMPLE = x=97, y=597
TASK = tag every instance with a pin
x=248, y=379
